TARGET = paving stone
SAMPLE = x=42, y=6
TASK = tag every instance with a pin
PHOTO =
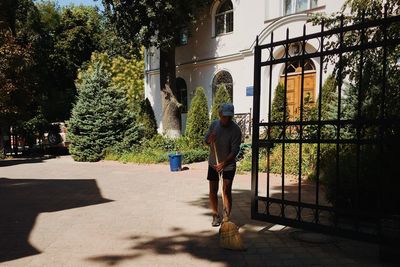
x=111, y=214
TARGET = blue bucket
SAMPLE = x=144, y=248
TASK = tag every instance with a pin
x=175, y=162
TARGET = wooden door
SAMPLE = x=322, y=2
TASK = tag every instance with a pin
x=293, y=93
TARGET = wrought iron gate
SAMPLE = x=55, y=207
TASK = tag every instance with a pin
x=323, y=172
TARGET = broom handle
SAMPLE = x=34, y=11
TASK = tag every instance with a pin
x=220, y=174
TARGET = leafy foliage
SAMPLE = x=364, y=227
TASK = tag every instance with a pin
x=42, y=47
x=126, y=75
x=153, y=23
x=156, y=150
x=17, y=89
x=147, y=119
x=278, y=111
x=363, y=101
x=221, y=96
x=197, y=120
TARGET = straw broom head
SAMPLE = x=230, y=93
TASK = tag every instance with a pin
x=229, y=237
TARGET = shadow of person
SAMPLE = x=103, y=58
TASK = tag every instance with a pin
x=21, y=200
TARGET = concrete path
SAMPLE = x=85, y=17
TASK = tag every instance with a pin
x=58, y=212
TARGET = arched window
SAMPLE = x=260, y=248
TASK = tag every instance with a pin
x=295, y=66
x=223, y=77
x=224, y=18
x=181, y=90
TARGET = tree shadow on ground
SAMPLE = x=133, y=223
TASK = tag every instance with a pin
x=24, y=160
x=22, y=200
x=267, y=244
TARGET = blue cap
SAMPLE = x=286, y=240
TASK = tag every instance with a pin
x=227, y=109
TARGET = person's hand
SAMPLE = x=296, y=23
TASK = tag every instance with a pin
x=219, y=167
x=211, y=138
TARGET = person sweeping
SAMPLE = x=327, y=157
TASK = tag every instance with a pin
x=224, y=138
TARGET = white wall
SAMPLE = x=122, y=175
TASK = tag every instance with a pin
x=205, y=55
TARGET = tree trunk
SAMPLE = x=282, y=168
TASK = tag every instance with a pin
x=171, y=117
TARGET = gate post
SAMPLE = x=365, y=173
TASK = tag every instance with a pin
x=256, y=132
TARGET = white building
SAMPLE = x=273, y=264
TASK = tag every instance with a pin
x=220, y=49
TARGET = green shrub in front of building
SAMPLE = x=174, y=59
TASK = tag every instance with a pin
x=147, y=119
x=197, y=120
x=156, y=150
x=221, y=96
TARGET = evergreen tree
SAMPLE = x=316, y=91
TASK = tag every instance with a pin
x=329, y=106
x=98, y=119
x=329, y=99
x=277, y=111
x=197, y=121
x=133, y=133
x=221, y=96
x=147, y=118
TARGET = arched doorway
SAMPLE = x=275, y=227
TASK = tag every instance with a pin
x=294, y=80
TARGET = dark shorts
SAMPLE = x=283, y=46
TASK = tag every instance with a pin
x=213, y=174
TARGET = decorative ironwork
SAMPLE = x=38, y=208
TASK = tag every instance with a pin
x=244, y=122
x=294, y=66
x=336, y=206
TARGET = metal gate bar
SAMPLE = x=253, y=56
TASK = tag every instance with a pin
x=356, y=214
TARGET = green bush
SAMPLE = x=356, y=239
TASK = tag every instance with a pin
x=132, y=135
x=194, y=155
x=148, y=156
x=156, y=150
x=244, y=165
x=152, y=156
x=292, y=157
x=147, y=118
x=221, y=96
x=373, y=164
x=277, y=111
x=197, y=121
x=291, y=160
x=159, y=142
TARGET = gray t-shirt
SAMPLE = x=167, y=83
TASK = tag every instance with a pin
x=228, y=140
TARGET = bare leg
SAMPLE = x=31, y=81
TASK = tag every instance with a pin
x=227, y=188
x=213, y=196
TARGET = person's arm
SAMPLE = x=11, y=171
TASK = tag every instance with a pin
x=210, y=136
x=220, y=167
x=235, y=147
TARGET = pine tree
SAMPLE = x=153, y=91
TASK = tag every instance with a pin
x=329, y=99
x=329, y=106
x=197, y=121
x=98, y=118
x=147, y=118
x=132, y=135
x=277, y=111
x=221, y=96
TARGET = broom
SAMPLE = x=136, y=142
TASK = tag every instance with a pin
x=229, y=237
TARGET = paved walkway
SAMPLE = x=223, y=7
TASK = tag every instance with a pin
x=57, y=212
